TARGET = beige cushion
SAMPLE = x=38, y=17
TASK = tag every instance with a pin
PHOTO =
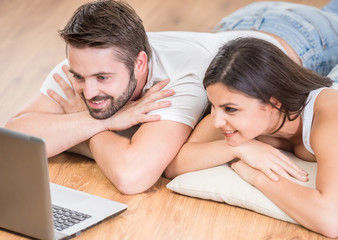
x=222, y=184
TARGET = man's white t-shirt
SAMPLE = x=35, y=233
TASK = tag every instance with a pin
x=183, y=57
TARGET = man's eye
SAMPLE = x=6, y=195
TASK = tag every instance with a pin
x=77, y=77
x=101, y=77
x=230, y=110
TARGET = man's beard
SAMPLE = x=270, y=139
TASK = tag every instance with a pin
x=113, y=105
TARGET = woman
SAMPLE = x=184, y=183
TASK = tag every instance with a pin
x=262, y=101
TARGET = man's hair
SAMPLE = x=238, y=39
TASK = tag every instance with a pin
x=108, y=23
x=261, y=70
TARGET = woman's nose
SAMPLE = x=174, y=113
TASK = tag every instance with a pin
x=218, y=119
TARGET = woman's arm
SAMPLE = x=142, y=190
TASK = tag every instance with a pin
x=316, y=209
x=309, y=207
x=206, y=147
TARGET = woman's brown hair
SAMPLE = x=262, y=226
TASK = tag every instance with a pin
x=261, y=70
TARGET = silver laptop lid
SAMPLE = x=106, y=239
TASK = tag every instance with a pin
x=25, y=201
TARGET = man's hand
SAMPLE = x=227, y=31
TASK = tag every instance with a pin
x=135, y=112
x=74, y=103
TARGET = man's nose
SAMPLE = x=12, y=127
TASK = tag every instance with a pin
x=90, y=89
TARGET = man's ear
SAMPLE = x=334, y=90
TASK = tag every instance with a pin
x=275, y=102
x=141, y=64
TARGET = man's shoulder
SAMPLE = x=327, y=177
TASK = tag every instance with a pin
x=178, y=38
x=181, y=51
x=175, y=34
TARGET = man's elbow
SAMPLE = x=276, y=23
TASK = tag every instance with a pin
x=10, y=124
x=131, y=183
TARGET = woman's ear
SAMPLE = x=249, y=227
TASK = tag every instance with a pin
x=275, y=103
x=141, y=64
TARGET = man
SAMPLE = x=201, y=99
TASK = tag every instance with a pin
x=114, y=67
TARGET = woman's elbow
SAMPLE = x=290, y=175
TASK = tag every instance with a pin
x=170, y=172
x=329, y=226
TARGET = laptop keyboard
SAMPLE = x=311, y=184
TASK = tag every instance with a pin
x=65, y=218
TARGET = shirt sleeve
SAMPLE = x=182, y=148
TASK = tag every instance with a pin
x=188, y=104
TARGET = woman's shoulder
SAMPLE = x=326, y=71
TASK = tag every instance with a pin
x=322, y=100
x=325, y=118
x=327, y=100
x=325, y=109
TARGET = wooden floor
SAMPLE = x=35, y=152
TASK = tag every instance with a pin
x=30, y=47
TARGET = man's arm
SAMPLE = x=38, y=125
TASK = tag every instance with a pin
x=60, y=127
x=63, y=121
x=134, y=165
x=43, y=118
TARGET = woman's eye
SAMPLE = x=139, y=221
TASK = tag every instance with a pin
x=230, y=110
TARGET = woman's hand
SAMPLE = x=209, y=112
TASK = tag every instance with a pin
x=74, y=102
x=269, y=160
x=135, y=112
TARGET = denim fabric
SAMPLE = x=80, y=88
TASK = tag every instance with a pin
x=334, y=74
x=332, y=6
x=311, y=31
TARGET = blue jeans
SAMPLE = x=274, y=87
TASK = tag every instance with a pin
x=334, y=74
x=310, y=31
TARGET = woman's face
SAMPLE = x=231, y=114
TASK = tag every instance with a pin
x=239, y=117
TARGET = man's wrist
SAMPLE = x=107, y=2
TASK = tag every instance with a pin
x=97, y=125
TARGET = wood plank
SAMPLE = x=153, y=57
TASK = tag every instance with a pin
x=30, y=48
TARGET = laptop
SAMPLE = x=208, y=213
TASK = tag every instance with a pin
x=30, y=205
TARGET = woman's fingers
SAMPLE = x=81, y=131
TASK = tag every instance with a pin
x=277, y=164
x=272, y=175
x=291, y=163
x=287, y=167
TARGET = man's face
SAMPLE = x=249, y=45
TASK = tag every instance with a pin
x=101, y=79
